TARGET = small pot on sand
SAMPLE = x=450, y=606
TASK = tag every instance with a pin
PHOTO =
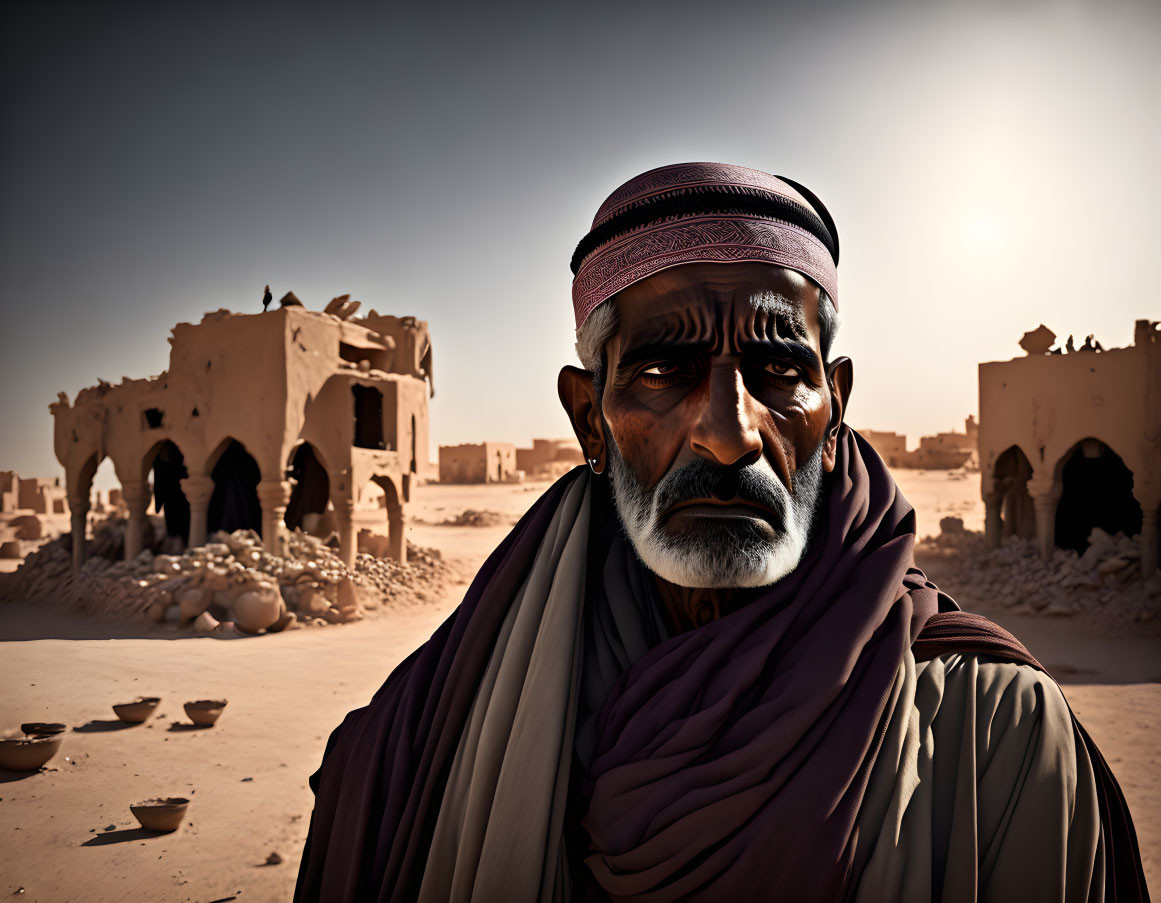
x=205, y=712
x=42, y=728
x=138, y=710
x=162, y=814
x=27, y=753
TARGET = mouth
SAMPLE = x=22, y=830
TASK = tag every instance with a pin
x=718, y=509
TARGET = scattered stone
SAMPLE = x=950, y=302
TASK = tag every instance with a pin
x=274, y=859
x=306, y=577
x=206, y=623
x=1111, y=566
x=192, y=602
x=257, y=609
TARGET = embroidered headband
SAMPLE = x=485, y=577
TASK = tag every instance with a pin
x=693, y=212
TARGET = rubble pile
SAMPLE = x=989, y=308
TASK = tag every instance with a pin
x=470, y=517
x=229, y=585
x=1105, y=581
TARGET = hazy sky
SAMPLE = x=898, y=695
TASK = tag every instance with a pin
x=990, y=166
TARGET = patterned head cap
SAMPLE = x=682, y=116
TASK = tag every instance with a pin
x=694, y=212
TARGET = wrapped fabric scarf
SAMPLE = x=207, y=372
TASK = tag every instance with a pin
x=721, y=760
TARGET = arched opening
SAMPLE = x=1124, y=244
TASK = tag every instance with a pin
x=103, y=489
x=167, y=464
x=1096, y=491
x=368, y=416
x=1012, y=473
x=85, y=476
x=375, y=537
x=234, y=504
x=311, y=492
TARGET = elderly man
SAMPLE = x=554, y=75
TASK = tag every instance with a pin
x=706, y=667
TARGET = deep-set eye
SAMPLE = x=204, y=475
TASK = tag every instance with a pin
x=662, y=369
x=780, y=369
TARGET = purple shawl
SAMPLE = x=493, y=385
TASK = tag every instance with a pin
x=729, y=757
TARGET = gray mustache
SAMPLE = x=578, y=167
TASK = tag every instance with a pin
x=701, y=479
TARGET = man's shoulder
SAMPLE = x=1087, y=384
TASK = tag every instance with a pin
x=1005, y=701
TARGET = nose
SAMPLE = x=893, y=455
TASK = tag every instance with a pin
x=726, y=431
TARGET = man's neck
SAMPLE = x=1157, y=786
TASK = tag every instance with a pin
x=688, y=607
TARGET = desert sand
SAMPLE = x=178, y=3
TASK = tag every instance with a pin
x=68, y=832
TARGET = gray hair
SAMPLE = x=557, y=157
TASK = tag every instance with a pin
x=603, y=322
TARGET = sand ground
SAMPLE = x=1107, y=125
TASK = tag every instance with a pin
x=68, y=833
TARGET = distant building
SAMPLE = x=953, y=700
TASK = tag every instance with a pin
x=892, y=447
x=1069, y=442
x=43, y=495
x=549, y=457
x=9, y=491
x=943, y=451
x=260, y=420
x=485, y=462
x=947, y=451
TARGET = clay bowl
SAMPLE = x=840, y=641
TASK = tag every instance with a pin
x=138, y=710
x=42, y=728
x=162, y=814
x=205, y=712
x=27, y=753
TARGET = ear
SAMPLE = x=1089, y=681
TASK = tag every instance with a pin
x=575, y=388
x=840, y=376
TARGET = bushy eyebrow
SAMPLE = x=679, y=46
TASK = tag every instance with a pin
x=799, y=352
x=655, y=350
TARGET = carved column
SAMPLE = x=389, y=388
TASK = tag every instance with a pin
x=79, y=515
x=993, y=518
x=396, y=541
x=198, y=492
x=1045, y=494
x=136, y=495
x=273, y=496
x=1148, y=496
x=345, y=522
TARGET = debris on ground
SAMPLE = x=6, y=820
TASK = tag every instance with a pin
x=229, y=586
x=1105, y=580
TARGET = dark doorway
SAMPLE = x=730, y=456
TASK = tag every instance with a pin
x=1097, y=491
x=168, y=496
x=368, y=416
x=234, y=504
x=311, y=489
x=1012, y=474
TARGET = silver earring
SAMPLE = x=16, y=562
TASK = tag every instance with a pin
x=593, y=466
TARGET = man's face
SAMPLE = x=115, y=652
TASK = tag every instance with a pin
x=717, y=414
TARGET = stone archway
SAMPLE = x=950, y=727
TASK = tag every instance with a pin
x=310, y=494
x=1096, y=491
x=1012, y=473
x=234, y=504
x=396, y=543
x=167, y=465
x=80, y=494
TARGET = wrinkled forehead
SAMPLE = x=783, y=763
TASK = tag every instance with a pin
x=720, y=302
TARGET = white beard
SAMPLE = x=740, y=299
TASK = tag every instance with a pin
x=719, y=554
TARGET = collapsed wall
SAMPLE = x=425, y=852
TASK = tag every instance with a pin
x=229, y=585
x=1104, y=584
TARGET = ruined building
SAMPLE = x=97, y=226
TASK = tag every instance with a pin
x=484, y=462
x=1069, y=442
x=283, y=417
x=549, y=457
x=943, y=451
